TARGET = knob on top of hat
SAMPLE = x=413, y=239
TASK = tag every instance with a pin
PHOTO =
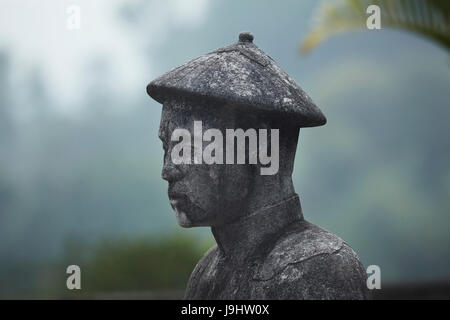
x=245, y=37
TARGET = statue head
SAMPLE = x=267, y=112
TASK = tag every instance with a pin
x=211, y=194
x=237, y=89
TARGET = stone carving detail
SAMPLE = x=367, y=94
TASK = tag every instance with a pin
x=265, y=248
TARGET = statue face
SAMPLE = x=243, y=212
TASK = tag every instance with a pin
x=201, y=194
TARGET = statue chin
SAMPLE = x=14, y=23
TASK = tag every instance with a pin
x=188, y=214
x=182, y=219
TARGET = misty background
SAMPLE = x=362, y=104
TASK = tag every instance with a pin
x=80, y=159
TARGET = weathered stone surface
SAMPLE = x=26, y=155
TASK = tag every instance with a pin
x=265, y=248
x=240, y=74
x=298, y=261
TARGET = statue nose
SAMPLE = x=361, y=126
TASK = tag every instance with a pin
x=171, y=173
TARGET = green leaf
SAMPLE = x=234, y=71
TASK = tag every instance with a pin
x=427, y=18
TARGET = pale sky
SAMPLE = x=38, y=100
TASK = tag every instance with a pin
x=35, y=33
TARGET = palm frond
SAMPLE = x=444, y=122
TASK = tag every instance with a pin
x=427, y=18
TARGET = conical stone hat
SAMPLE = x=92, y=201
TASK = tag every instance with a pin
x=243, y=75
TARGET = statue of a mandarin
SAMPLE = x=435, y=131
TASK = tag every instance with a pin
x=243, y=114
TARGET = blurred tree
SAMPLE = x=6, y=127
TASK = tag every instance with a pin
x=428, y=18
x=5, y=100
x=136, y=264
x=6, y=135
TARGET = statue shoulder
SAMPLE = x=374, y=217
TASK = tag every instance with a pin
x=205, y=261
x=300, y=243
x=196, y=275
x=309, y=262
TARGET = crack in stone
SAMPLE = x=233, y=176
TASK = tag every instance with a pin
x=298, y=262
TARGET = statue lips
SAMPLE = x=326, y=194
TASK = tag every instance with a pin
x=177, y=200
x=181, y=202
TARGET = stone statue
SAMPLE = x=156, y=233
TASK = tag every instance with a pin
x=265, y=248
